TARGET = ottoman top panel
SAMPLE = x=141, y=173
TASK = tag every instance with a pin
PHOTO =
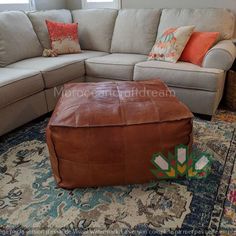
x=117, y=104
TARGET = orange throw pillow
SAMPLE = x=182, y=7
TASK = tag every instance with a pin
x=197, y=47
x=64, y=37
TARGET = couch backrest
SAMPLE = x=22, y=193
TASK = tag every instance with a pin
x=18, y=40
x=95, y=28
x=218, y=20
x=39, y=18
x=135, y=31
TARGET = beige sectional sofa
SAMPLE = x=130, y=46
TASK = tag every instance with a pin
x=115, y=47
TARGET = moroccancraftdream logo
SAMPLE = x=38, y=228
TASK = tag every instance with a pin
x=181, y=164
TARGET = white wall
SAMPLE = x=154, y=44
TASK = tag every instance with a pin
x=50, y=4
x=14, y=7
x=230, y=4
x=39, y=4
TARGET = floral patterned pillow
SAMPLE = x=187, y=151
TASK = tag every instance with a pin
x=171, y=44
x=64, y=37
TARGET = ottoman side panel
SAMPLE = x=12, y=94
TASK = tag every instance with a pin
x=143, y=141
x=53, y=155
x=113, y=155
x=90, y=157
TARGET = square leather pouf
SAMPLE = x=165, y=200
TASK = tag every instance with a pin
x=104, y=134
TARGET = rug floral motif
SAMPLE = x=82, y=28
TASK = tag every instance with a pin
x=30, y=199
x=228, y=223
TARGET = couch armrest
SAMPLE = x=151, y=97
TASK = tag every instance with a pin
x=221, y=56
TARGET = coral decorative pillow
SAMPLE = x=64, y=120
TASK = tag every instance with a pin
x=171, y=44
x=64, y=37
x=197, y=46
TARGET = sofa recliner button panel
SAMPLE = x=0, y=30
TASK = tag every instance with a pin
x=181, y=75
x=58, y=70
x=116, y=66
x=17, y=84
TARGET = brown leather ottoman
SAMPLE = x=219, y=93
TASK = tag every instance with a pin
x=106, y=133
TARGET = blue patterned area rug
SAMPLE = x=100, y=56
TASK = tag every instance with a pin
x=31, y=203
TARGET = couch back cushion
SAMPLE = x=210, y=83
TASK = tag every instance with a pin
x=18, y=40
x=95, y=28
x=135, y=31
x=210, y=20
x=39, y=18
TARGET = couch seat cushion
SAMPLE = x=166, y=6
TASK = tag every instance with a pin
x=38, y=20
x=181, y=75
x=58, y=70
x=18, y=40
x=16, y=84
x=135, y=31
x=114, y=66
